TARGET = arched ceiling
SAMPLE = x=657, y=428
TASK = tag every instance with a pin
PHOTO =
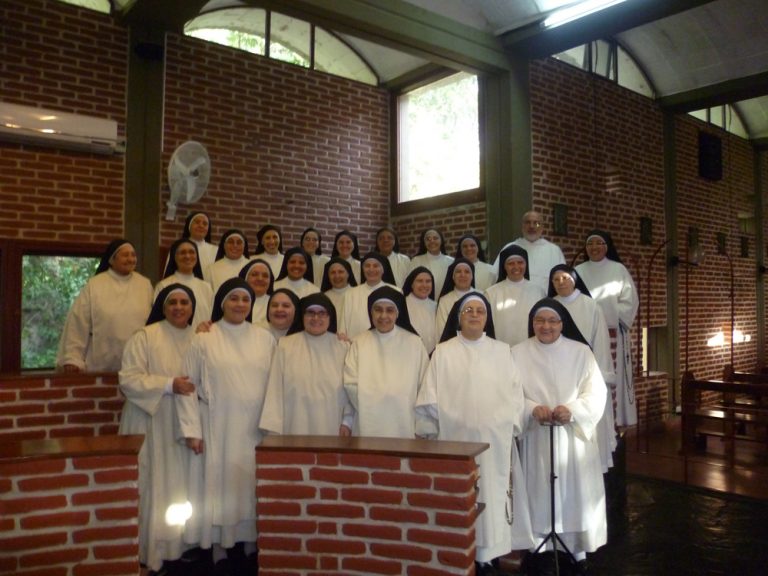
x=696, y=53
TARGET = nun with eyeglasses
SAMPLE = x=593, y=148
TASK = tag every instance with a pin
x=563, y=387
x=472, y=392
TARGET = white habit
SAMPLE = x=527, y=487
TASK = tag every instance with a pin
x=401, y=266
x=564, y=373
x=108, y=311
x=275, y=261
x=306, y=394
x=444, y=306
x=336, y=296
x=222, y=270
x=422, y=312
x=485, y=275
x=510, y=304
x=612, y=287
x=472, y=392
x=318, y=265
x=590, y=321
x=259, y=312
x=152, y=358
x=301, y=287
x=207, y=253
x=382, y=375
x=230, y=367
x=353, y=318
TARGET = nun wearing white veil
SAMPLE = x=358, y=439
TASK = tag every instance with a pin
x=472, y=392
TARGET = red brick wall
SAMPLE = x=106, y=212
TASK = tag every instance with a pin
x=69, y=516
x=288, y=146
x=59, y=406
x=339, y=513
x=452, y=222
x=64, y=58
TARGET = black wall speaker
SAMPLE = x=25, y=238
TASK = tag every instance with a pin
x=710, y=156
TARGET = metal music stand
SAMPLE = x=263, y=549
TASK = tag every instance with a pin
x=553, y=536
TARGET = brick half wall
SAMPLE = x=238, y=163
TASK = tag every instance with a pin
x=347, y=506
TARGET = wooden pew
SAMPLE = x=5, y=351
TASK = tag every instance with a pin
x=726, y=417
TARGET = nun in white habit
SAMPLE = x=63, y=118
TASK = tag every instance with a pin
x=355, y=316
x=112, y=305
x=562, y=386
x=459, y=281
x=259, y=276
x=338, y=279
x=384, y=370
x=567, y=287
x=305, y=394
x=472, y=392
x=432, y=255
x=419, y=292
x=229, y=366
x=296, y=273
x=184, y=267
x=513, y=296
x=197, y=228
x=612, y=287
x=230, y=258
x=150, y=376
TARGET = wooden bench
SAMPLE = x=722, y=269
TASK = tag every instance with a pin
x=728, y=416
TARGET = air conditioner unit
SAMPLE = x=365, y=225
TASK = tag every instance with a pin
x=54, y=129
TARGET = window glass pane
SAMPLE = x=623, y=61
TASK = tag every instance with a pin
x=630, y=75
x=289, y=40
x=335, y=57
x=439, y=138
x=575, y=57
x=49, y=286
x=602, y=59
x=241, y=28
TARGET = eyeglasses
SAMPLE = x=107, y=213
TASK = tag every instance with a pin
x=548, y=321
x=475, y=311
x=316, y=313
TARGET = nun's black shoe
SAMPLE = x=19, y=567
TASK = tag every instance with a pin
x=582, y=568
x=484, y=569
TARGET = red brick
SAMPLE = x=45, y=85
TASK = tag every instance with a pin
x=5, y=485
x=401, y=480
x=32, y=467
x=62, y=556
x=270, y=458
x=103, y=462
x=335, y=546
x=272, y=560
x=461, y=540
x=72, y=432
x=123, y=513
x=116, y=551
x=280, y=474
x=456, y=559
x=40, y=421
x=465, y=520
x=7, y=524
x=279, y=509
x=372, y=531
x=327, y=528
x=440, y=502
x=336, y=510
x=95, y=392
x=371, y=461
x=25, y=505
x=400, y=515
x=371, y=566
x=440, y=466
x=60, y=519
x=23, y=383
x=455, y=485
x=286, y=526
x=328, y=460
x=105, y=496
x=371, y=495
x=338, y=476
x=45, y=394
x=285, y=491
x=104, y=533
x=329, y=493
x=23, y=435
x=116, y=476
x=52, y=482
x=279, y=543
x=75, y=406
x=416, y=570
x=8, y=565
x=32, y=541
x=106, y=569
x=402, y=552
x=93, y=418
x=20, y=409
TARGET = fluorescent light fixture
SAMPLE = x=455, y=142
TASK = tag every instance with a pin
x=576, y=11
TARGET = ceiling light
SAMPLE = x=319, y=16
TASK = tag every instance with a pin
x=576, y=11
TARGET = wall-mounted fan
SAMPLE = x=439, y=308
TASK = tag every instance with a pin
x=188, y=174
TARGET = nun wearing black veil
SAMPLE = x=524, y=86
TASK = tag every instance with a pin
x=305, y=394
x=150, y=376
x=112, y=305
x=472, y=392
x=229, y=366
x=563, y=386
x=383, y=371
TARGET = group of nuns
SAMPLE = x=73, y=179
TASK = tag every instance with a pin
x=294, y=342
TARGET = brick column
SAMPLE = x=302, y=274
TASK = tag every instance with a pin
x=330, y=505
